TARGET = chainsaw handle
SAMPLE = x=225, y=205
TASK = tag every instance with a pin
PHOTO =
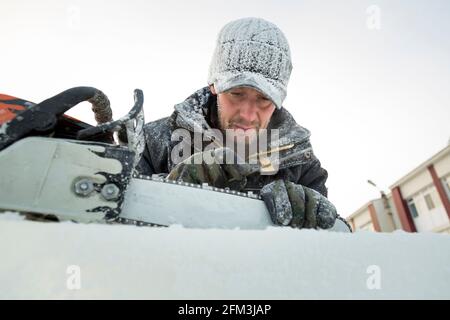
x=43, y=116
x=101, y=107
x=67, y=99
x=117, y=124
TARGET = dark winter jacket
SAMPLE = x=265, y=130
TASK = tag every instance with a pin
x=198, y=112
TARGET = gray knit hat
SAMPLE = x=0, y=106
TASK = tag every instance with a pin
x=252, y=52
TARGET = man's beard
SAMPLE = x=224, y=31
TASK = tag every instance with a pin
x=236, y=121
x=248, y=139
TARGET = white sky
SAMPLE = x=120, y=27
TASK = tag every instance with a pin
x=376, y=101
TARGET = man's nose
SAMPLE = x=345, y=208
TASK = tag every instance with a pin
x=248, y=113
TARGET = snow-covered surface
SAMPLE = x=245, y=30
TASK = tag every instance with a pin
x=118, y=261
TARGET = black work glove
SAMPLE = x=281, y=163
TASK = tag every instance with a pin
x=213, y=167
x=291, y=204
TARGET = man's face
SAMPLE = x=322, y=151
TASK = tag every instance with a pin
x=243, y=109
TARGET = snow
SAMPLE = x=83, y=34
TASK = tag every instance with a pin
x=118, y=261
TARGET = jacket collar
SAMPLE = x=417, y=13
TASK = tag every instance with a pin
x=191, y=114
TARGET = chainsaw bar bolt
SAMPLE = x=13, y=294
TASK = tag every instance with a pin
x=110, y=191
x=84, y=187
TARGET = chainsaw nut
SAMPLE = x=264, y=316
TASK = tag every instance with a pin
x=84, y=187
x=110, y=191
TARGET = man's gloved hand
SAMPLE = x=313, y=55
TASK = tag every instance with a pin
x=298, y=206
x=218, y=168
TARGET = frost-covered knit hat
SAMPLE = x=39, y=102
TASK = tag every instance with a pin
x=252, y=52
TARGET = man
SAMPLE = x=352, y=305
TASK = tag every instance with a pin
x=247, y=83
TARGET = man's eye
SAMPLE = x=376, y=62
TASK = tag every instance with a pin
x=237, y=94
x=265, y=104
x=264, y=99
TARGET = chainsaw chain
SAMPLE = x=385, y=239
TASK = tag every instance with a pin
x=203, y=186
x=162, y=179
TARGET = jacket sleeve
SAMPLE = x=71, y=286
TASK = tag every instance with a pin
x=145, y=165
x=154, y=158
x=314, y=176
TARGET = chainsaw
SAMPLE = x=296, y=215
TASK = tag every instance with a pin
x=58, y=168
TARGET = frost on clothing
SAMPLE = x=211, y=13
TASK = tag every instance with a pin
x=298, y=206
x=199, y=113
x=255, y=53
x=298, y=165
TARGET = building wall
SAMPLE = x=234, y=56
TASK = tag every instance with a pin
x=442, y=166
x=411, y=186
x=384, y=219
x=429, y=219
x=363, y=221
x=446, y=183
x=397, y=222
x=418, y=191
x=445, y=229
